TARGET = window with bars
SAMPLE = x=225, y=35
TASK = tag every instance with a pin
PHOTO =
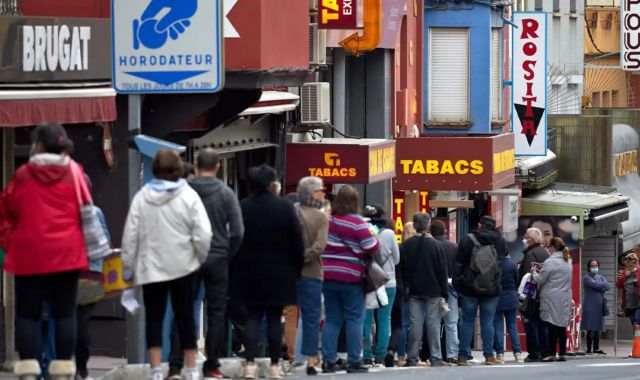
x=496, y=74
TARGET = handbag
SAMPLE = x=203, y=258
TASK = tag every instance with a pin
x=605, y=306
x=113, y=275
x=95, y=239
x=90, y=288
x=374, y=276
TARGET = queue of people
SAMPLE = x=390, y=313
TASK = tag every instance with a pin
x=266, y=257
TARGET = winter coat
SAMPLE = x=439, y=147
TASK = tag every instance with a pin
x=167, y=234
x=509, y=283
x=390, y=255
x=224, y=214
x=265, y=271
x=485, y=236
x=533, y=254
x=425, y=267
x=450, y=250
x=594, y=288
x=315, y=227
x=40, y=223
x=554, y=288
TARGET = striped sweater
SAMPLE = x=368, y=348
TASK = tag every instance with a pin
x=350, y=242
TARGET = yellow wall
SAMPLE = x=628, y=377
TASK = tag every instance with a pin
x=606, y=34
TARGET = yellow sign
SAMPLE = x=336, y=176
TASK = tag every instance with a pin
x=504, y=161
x=626, y=163
x=333, y=168
x=475, y=167
x=382, y=161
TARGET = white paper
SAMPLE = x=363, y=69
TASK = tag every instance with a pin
x=129, y=301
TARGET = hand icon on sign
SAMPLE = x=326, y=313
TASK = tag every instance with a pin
x=153, y=33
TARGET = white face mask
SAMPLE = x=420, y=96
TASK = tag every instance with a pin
x=525, y=242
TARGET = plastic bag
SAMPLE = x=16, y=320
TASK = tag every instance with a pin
x=377, y=299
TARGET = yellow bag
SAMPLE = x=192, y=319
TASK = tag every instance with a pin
x=114, y=282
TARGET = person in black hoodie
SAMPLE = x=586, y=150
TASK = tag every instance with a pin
x=474, y=297
x=426, y=282
x=227, y=226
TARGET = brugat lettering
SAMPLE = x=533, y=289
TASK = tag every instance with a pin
x=55, y=47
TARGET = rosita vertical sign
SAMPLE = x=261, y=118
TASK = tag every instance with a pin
x=530, y=83
x=630, y=51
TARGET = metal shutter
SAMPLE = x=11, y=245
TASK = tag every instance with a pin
x=496, y=74
x=603, y=249
x=448, y=75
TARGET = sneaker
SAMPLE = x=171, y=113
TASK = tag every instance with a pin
x=491, y=361
x=369, y=362
x=192, y=374
x=562, y=358
x=599, y=352
x=250, y=370
x=437, y=363
x=462, y=362
x=500, y=358
x=276, y=372
x=156, y=374
x=389, y=360
x=215, y=374
x=518, y=357
x=451, y=361
x=402, y=361
x=549, y=359
x=330, y=367
x=357, y=368
x=174, y=374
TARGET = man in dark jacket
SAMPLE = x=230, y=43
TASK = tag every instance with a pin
x=426, y=281
x=225, y=216
x=450, y=320
x=535, y=330
x=473, y=297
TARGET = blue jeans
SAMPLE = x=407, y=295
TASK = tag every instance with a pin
x=343, y=302
x=487, y=313
x=310, y=298
x=451, y=327
x=383, y=328
x=634, y=316
x=421, y=309
x=402, y=343
x=300, y=358
x=512, y=328
x=537, y=337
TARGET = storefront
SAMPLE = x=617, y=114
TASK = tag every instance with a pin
x=460, y=177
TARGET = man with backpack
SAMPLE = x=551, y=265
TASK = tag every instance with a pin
x=426, y=283
x=478, y=281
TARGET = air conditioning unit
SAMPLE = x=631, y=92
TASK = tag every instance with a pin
x=315, y=103
x=313, y=5
x=317, y=45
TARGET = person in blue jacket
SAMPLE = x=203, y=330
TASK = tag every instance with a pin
x=507, y=309
x=595, y=286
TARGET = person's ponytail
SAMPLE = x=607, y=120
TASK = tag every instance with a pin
x=565, y=254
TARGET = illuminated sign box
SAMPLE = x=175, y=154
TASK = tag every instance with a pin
x=342, y=160
x=473, y=163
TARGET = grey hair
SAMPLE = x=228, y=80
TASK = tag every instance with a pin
x=308, y=185
x=536, y=235
x=421, y=221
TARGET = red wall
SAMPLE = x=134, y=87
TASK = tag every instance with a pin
x=66, y=8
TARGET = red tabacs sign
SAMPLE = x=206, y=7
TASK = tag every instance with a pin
x=342, y=160
x=337, y=14
x=455, y=163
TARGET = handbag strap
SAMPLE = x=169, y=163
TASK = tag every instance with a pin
x=80, y=185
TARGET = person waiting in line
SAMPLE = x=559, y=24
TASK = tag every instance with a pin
x=167, y=236
x=554, y=289
x=507, y=311
x=628, y=282
x=594, y=306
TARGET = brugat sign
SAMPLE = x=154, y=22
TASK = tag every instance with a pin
x=630, y=24
x=529, y=83
x=36, y=49
x=55, y=47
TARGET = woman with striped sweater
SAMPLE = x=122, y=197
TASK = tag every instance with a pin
x=350, y=244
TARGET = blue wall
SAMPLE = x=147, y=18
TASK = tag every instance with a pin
x=479, y=19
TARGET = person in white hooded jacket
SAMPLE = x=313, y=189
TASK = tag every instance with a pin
x=166, y=239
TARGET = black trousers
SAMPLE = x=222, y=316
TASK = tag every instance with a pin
x=593, y=340
x=274, y=331
x=183, y=294
x=58, y=290
x=84, y=313
x=557, y=338
x=215, y=275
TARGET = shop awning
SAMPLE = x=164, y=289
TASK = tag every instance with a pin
x=19, y=108
x=273, y=102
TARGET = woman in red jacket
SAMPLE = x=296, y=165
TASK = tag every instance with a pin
x=42, y=235
x=628, y=281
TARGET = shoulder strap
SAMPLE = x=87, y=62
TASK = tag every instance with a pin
x=474, y=240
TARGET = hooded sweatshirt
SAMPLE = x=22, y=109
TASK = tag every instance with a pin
x=485, y=236
x=224, y=213
x=40, y=225
x=167, y=234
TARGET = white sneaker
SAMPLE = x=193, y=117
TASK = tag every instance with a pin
x=250, y=370
x=518, y=357
x=192, y=374
x=500, y=358
x=276, y=372
x=156, y=374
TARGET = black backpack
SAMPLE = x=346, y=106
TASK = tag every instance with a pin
x=484, y=268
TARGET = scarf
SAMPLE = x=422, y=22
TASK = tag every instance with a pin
x=312, y=202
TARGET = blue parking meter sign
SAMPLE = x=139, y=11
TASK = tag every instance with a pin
x=167, y=46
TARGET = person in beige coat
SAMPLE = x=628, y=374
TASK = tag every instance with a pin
x=315, y=227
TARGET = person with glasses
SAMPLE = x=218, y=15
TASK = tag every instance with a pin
x=628, y=281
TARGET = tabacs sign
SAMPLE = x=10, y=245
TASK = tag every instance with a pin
x=529, y=114
x=167, y=46
x=630, y=32
x=337, y=14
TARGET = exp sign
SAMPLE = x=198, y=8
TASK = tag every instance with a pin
x=337, y=14
x=630, y=32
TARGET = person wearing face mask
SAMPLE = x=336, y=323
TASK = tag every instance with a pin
x=628, y=281
x=593, y=306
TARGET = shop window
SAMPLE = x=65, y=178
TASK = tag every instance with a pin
x=496, y=74
x=448, y=76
